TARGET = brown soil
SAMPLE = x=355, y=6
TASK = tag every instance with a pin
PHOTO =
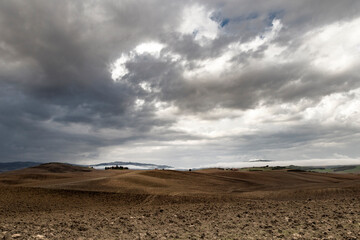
x=64, y=202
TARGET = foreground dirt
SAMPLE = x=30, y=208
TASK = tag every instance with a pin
x=319, y=207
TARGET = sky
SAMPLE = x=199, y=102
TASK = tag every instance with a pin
x=182, y=83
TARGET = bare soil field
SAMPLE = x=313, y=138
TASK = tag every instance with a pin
x=59, y=201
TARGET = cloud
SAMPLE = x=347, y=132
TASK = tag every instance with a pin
x=197, y=21
x=181, y=83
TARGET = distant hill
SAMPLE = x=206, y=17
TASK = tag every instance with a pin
x=331, y=169
x=56, y=167
x=10, y=166
x=322, y=169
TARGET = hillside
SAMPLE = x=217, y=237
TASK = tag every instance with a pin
x=170, y=182
x=61, y=201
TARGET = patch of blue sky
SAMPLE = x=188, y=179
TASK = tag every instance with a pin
x=219, y=19
x=224, y=22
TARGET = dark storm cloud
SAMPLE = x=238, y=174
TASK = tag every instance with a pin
x=55, y=67
x=59, y=102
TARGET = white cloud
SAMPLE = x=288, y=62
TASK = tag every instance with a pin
x=152, y=48
x=164, y=110
x=330, y=48
x=214, y=68
x=139, y=103
x=333, y=47
x=336, y=109
x=196, y=20
x=146, y=86
x=258, y=41
x=118, y=69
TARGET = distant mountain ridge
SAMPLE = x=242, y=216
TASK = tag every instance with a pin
x=10, y=166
